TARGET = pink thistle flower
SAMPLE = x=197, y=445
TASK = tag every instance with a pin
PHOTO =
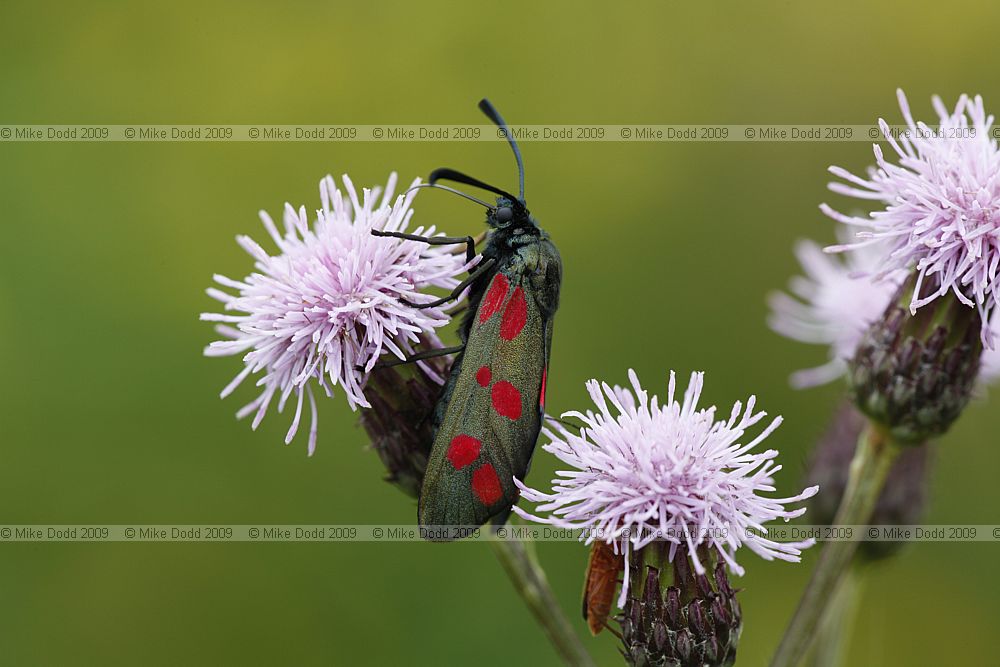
x=832, y=304
x=835, y=302
x=646, y=472
x=332, y=301
x=942, y=205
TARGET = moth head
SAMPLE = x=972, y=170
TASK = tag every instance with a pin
x=509, y=213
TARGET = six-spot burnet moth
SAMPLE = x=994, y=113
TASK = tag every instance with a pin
x=492, y=405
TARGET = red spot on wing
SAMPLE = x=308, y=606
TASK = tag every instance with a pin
x=507, y=400
x=484, y=375
x=514, y=316
x=541, y=397
x=464, y=449
x=486, y=484
x=490, y=305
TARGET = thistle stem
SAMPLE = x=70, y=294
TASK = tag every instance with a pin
x=829, y=649
x=528, y=577
x=874, y=457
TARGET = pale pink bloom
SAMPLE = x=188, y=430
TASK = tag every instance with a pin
x=641, y=471
x=332, y=300
x=940, y=212
x=831, y=305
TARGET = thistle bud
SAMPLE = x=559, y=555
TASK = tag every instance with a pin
x=399, y=421
x=904, y=496
x=674, y=616
x=913, y=373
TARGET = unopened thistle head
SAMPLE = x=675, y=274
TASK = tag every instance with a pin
x=941, y=207
x=332, y=300
x=672, y=473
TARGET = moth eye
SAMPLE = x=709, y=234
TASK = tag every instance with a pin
x=504, y=214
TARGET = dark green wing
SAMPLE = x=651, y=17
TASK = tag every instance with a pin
x=489, y=428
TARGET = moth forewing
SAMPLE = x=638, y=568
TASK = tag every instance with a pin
x=489, y=426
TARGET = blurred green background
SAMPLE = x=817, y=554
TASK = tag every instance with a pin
x=110, y=414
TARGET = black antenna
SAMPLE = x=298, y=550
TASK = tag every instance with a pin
x=447, y=189
x=487, y=108
x=444, y=173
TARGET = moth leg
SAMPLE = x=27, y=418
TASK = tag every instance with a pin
x=575, y=427
x=458, y=311
x=479, y=270
x=419, y=356
x=470, y=243
x=613, y=631
x=499, y=519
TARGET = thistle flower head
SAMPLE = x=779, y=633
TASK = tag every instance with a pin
x=835, y=301
x=914, y=373
x=332, y=300
x=674, y=472
x=941, y=197
x=679, y=618
x=399, y=422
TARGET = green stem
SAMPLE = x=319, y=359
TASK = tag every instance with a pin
x=830, y=646
x=874, y=457
x=530, y=583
